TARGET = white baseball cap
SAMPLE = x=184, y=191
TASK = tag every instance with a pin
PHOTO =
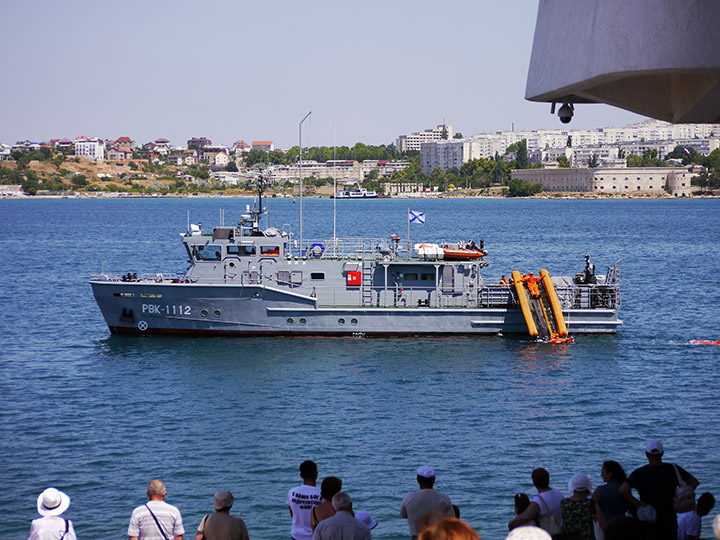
x=426, y=472
x=654, y=447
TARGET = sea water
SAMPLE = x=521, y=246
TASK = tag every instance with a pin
x=99, y=416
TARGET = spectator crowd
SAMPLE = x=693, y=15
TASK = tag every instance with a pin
x=654, y=502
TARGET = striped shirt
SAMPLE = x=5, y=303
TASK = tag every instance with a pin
x=143, y=526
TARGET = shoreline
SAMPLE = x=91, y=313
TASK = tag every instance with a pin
x=552, y=196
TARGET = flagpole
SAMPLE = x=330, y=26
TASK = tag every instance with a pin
x=408, y=235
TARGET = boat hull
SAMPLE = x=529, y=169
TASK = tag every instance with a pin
x=146, y=308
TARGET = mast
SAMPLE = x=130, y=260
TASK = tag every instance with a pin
x=301, y=186
x=334, y=188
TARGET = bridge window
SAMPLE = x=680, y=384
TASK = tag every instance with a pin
x=241, y=250
x=317, y=276
x=210, y=252
x=269, y=250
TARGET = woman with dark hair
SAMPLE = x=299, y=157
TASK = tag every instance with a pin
x=330, y=487
x=611, y=502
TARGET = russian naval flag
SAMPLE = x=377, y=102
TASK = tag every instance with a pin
x=416, y=217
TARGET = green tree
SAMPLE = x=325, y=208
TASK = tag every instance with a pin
x=458, y=135
x=438, y=178
x=521, y=156
x=569, y=141
x=444, y=133
x=712, y=161
x=686, y=154
x=31, y=186
x=521, y=188
x=255, y=156
x=593, y=161
x=79, y=180
x=231, y=167
x=563, y=162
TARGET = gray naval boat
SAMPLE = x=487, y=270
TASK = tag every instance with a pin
x=244, y=281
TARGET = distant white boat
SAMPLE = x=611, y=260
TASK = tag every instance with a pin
x=360, y=193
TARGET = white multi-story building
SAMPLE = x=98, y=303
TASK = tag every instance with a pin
x=407, y=143
x=90, y=148
x=542, y=144
x=581, y=155
x=346, y=171
x=453, y=153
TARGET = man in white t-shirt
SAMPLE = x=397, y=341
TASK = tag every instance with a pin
x=546, y=502
x=690, y=523
x=422, y=506
x=156, y=520
x=301, y=500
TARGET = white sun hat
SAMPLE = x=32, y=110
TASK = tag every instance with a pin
x=366, y=519
x=579, y=482
x=528, y=532
x=647, y=513
x=52, y=502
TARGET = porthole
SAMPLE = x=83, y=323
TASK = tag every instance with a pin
x=217, y=312
x=341, y=322
x=353, y=322
x=303, y=320
x=204, y=313
x=290, y=320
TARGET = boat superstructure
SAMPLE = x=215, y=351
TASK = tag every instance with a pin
x=246, y=281
x=360, y=193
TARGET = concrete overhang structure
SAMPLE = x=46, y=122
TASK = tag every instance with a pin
x=658, y=58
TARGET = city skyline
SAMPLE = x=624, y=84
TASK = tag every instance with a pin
x=230, y=71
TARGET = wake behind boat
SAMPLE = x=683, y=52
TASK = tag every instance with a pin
x=246, y=281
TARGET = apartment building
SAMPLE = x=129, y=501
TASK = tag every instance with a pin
x=90, y=148
x=406, y=143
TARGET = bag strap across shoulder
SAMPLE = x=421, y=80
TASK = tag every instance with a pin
x=157, y=522
x=546, y=509
x=681, y=482
x=67, y=528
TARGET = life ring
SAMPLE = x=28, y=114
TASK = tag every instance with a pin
x=317, y=253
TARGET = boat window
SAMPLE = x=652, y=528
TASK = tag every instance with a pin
x=269, y=250
x=427, y=277
x=317, y=275
x=210, y=252
x=241, y=250
x=411, y=277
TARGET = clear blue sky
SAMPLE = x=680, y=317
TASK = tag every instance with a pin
x=231, y=70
